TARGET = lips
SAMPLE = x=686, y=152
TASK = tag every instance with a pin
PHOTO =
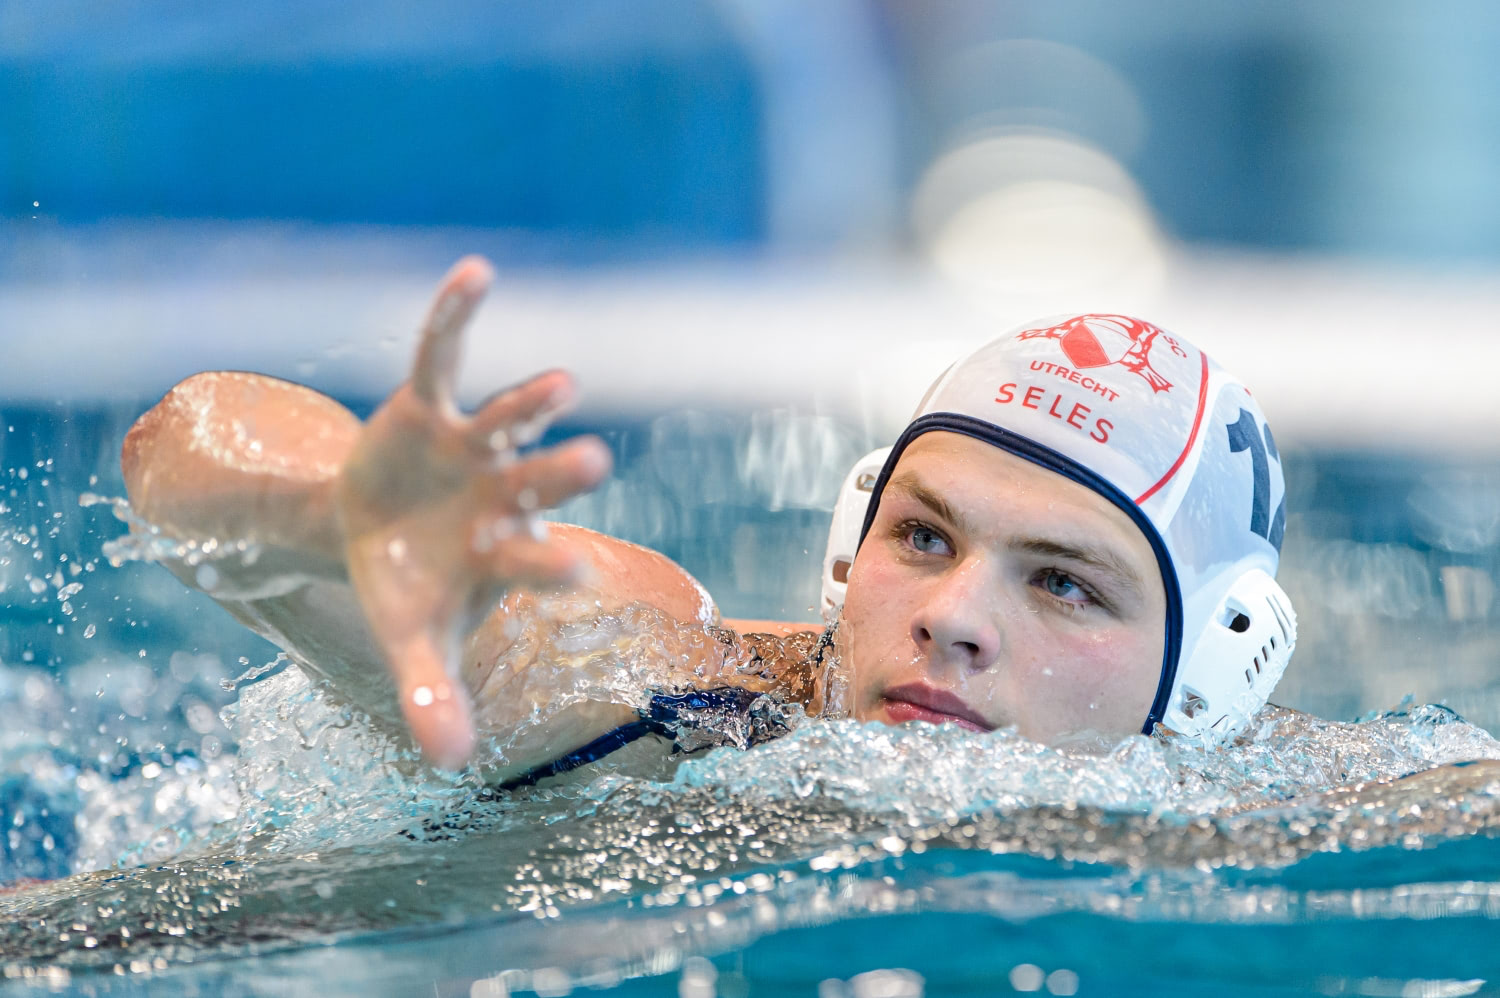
x=919, y=702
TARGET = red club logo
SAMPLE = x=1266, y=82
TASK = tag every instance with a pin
x=1101, y=340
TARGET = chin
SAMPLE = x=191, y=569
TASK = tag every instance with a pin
x=1089, y=741
x=865, y=711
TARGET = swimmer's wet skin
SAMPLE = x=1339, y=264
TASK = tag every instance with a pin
x=1075, y=536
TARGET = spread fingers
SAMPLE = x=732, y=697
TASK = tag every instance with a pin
x=435, y=371
x=519, y=416
x=547, y=478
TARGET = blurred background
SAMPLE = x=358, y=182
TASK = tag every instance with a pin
x=756, y=229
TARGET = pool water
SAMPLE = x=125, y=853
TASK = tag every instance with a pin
x=263, y=840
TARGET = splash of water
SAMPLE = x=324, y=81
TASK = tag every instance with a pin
x=820, y=825
x=254, y=672
x=109, y=764
x=929, y=773
x=146, y=542
x=313, y=772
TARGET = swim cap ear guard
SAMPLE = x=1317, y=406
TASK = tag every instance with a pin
x=1150, y=423
x=844, y=532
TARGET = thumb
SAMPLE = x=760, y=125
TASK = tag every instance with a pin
x=436, y=707
x=403, y=609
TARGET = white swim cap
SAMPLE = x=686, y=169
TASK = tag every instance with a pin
x=1148, y=421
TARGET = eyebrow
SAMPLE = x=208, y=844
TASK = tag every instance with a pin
x=1101, y=559
x=910, y=485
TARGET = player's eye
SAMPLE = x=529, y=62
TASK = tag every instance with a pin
x=1065, y=587
x=922, y=538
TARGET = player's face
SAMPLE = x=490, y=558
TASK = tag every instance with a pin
x=992, y=592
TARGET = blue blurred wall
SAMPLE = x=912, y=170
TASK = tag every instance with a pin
x=594, y=119
x=1351, y=126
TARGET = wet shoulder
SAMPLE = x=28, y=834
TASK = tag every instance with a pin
x=793, y=664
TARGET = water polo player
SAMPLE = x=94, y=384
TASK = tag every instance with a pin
x=1076, y=536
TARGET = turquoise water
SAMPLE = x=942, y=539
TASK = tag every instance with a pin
x=264, y=841
x=819, y=859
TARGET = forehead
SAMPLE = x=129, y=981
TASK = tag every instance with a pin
x=1006, y=493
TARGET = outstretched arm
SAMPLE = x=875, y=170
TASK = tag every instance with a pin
x=380, y=549
x=233, y=456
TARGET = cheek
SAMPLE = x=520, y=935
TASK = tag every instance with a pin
x=1102, y=681
x=1115, y=661
x=874, y=628
x=875, y=591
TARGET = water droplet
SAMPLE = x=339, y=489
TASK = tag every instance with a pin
x=1026, y=977
x=422, y=696
x=1062, y=982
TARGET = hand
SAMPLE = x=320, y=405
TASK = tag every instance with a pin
x=439, y=514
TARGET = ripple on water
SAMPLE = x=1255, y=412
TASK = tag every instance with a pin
x=336, y=834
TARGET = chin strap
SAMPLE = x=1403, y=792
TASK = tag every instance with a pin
x=1236, y=662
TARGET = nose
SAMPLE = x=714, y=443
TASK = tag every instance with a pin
x=958, y=625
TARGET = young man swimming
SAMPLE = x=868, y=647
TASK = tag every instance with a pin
x=1076, y=536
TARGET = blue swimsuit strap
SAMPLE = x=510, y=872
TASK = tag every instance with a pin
x=658, y=718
